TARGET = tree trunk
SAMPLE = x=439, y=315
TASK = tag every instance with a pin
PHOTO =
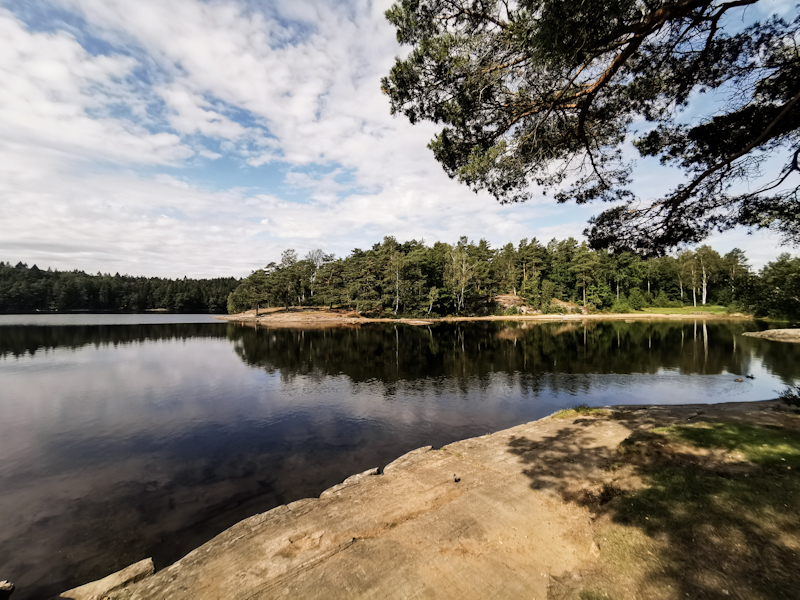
x=396, y=290
x=705, y=285
x=617, y=290
x=694, y=296
x=584, y=291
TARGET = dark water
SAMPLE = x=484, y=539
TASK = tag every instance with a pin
x=122, y=441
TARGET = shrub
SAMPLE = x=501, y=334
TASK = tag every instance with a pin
x=511, y=310
x=735, y=307
x=621, y=306
x=791, y=395
x=636, y=299
x=661, y=300
x=552, y=309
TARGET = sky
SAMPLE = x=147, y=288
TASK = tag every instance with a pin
x=202, y=138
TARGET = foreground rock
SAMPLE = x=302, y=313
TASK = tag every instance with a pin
x=776, y=335
x=100, y=589
x=6, y=589
x=507, y=515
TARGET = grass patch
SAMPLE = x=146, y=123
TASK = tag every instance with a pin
x=582, y=410
x=687, y=310
x=707, y=525
x=714, y=533
x=593, y=593
x=768, y=446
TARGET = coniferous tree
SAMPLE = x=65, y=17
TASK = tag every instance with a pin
x=547, y=92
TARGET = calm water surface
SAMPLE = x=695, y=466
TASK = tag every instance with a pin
x=128, y=436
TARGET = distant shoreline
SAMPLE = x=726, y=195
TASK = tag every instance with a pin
x=302, y=317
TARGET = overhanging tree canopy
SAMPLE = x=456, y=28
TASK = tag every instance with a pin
x=546, y=91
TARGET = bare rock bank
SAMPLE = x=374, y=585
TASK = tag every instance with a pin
x=776, y=335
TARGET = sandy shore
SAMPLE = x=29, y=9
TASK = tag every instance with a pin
x=515, y=514
x=339, y=318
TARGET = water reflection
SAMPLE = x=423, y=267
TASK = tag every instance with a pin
x=19, y=340
x=390, y=353
x=121, y=442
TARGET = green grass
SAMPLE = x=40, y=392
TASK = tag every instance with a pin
x=712, y=531
x=707, y=523
x=581, y=410
x=761, y=445
x=593, y=593
x=687, y=310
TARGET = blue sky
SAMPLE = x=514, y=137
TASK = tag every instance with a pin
x=202, y=138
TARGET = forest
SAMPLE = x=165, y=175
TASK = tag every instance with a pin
x=26, y=289
x=411, y=279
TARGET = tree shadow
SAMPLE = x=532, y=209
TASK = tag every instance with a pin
x=568, y=464
x=674, y=520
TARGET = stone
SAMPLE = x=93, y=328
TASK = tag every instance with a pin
x=776, y=335
x=6, y=589
x=98, y=590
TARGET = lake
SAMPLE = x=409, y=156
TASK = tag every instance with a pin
x=128, y=436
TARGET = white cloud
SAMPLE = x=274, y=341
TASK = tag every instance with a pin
x=49, y=84
x=190, y=113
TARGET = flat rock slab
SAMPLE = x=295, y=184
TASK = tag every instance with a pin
x=411, y=532
x=776, y=335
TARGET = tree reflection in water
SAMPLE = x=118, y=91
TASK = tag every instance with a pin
x=474, y=350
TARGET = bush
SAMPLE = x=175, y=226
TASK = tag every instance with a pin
x=791, y=395
x=735, y=307
x=662, y=301
x=636, y=299
x=552, y=309
x=511, y=310
x=621, y=306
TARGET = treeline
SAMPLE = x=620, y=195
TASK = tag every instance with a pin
x=24, y=289
x=412, y=279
